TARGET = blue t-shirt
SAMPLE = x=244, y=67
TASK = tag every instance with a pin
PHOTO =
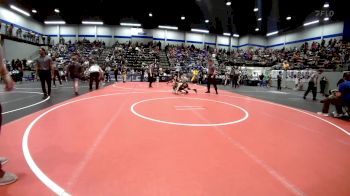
x=344, y=88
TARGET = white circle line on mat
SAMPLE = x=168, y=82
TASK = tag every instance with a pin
x=28, y=106
x=246, y=114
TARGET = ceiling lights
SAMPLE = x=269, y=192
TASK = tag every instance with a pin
x=227, y=34
x=326, y=5
x=19, y=10
x=183, y=18
x=55, y=22
x=256, y=9
x=235, y=35
x=57, y=10
x=228, y=3
x=130, y=24
x=206, y=21
x=326, y=19
x=150, y=14
x=272, y=33
x=259, y=19
x=200, y=30
x=288, y=18
x=168, y=27
x=34, y=11
x=92, y=22
x=257, y=29
x=310, y=23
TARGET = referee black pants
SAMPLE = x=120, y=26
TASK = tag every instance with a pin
x=45, y=76
x=94, y=76
x=211, y=80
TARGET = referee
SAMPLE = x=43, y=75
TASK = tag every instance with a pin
x=44, y=67
x=211, y=76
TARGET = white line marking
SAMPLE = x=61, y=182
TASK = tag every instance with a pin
x=28, y=157
x=260, y=162
x=298, y=110
x=90, y=152
x=28, y=106
x=189, y=124
x=60, y=191
x=284, y=181
x=190, y=109
x=185, y=106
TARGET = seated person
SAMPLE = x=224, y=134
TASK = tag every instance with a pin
x=340, y=98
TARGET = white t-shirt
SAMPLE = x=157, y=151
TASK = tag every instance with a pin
x=94, y=68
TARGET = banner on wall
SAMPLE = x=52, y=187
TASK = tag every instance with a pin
x=290, y=75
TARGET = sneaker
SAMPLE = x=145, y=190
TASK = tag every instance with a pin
x=76, y=93
x=45, y=96
x=217, y=92
x=322, y=114
x=304, y=97
x=3, y=160
x=8, y=178
x=336, y=115
x=207, y=92
x=195, y=90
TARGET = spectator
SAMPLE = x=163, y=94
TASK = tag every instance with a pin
x=339, y=99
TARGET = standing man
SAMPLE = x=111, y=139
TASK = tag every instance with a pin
x=211, y=76
x=312, y=86
x=279, y=81
x=150, y=74
x=55, y=73
x=75, y=70
x=95, y=74
x=5, y=177
x=44, y=67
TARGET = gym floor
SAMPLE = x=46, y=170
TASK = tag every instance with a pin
x=128, y=139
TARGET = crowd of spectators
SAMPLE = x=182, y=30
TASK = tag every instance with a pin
x=30, y=36
x=333, y=55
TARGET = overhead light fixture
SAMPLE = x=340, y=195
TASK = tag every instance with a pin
x=19, y=10
x=167, y=27
x=326, y=19
x=288, y=18
x=272, y=33
x=228, y=3
x=55, y=22
x=235, y=35
x=259, y=19
x=200, y=30
x=256, y=9
x=257, y=29
x=92, y=22
x=326, y=5
x=227, y=34
x=183, y=18
x=34, y=11
x=206, y=21
x=310, y=23
x=130, y=24
x=150, y=14
x=57, y=10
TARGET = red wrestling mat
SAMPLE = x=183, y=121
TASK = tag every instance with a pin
x=128, y=139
